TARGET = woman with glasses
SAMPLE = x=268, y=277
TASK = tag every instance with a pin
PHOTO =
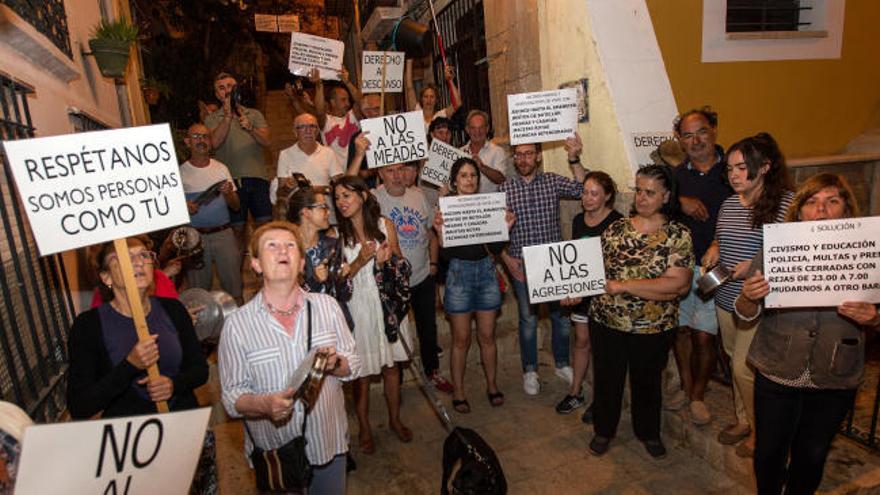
x=107, y=361
x=325, y=270
x=369, y=240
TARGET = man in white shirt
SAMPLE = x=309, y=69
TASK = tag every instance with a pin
x=491, y=158
x=307, y=156
x=339, y=122
x=210, y=216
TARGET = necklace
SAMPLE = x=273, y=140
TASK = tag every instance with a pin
x=282, y=312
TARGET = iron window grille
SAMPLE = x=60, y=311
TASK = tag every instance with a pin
x=765, y=15
x=46, y=16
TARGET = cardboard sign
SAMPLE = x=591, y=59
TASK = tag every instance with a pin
x=288, y=23
x=88, y=188
x=371, y=72
x=441, y=156
x=473, y=219
x=308, y=51
x=822, y=263
x=133, y=455
x=266, y=23
x=564, y=269
x=397, y=138
x=543, y=116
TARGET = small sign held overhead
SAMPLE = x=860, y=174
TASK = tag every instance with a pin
x=371, y=72
x=543, y=116
x=309, y=52
x=397, y=138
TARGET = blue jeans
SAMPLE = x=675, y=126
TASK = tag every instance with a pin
x=528, y=330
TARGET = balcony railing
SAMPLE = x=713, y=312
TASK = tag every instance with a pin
x=46, y=16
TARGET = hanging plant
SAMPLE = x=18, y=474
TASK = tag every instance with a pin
x=111, y=45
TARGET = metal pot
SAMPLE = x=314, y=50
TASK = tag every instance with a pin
x=713, y=279
x=218, y=305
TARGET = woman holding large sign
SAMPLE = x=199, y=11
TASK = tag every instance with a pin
x=757, y=173
x=809, y=361
x=369, y=240
x=471, y=293
x=648, y=266
x=107, y=362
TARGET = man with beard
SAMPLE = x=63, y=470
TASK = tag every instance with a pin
x=211, y=216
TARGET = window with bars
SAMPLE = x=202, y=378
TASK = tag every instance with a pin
x=36, y=307
x=46, y=16
x=765, y=15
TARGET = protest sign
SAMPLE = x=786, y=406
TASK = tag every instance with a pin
x=564, y=269
x=308, y=51
x=133, y=455
x=543, y=116
x=441, y=156
x=397, y=138
x=288, y=23
x=473, y=219
x=266, y=23
x=371, y=72
x=644, y=143
x=87, y=188
x=822, y=263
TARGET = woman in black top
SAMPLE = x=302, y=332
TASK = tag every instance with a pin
x=471, y=292
x=599, y=213
x=107, y=361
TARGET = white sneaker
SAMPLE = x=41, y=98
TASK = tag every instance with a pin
x=531, y=385
x=566, y=373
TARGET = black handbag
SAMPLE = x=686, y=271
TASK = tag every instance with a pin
x=286, y=468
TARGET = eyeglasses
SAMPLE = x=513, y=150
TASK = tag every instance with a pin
x=524, y=154
x=144, y=257
x=319, y=205
x=306, y=127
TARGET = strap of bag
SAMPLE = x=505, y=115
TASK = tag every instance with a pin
x=308, y=348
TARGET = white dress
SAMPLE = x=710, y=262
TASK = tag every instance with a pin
x=369, y=324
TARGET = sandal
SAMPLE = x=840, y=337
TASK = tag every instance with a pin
x=495, y=399
x=403, y=433
x=461, y=406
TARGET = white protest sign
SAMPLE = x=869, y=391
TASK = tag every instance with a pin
x=473, y=219
x=543, y=116
x=266, y=23
x=371, y=72
x=441, y=156
x=134, y=455
x=397, y=138
x=822, y=263
x=644, y=143
x=288, y=23
x=564, y=269
x=308, y=51
x=88, y=188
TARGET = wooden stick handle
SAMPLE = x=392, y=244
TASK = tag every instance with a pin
x=134, y=303
x=382, y=96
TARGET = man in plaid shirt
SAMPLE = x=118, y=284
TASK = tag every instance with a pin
x=534, y=196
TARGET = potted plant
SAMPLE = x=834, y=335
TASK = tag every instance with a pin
x=111, y=45
x=154, y=89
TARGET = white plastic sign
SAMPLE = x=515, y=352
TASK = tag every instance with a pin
x=564, y=269
x=441, y=156
x=822, y=263
x=644, y=143
x=371, y=72
x=543, y=116
x=308, y=51
x=473, y=219
x=93, y=187
x=133, y=455
x=397, y=138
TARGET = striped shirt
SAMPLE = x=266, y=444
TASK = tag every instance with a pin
x=257, y=356
x=738, y=241
x=536, y=206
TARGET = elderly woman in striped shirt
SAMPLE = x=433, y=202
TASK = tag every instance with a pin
x=267, y=339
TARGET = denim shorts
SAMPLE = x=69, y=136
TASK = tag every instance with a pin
x=696, y=312
x=471, y=286
x=253, y=194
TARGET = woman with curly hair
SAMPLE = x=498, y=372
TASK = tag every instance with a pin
x=757, y=173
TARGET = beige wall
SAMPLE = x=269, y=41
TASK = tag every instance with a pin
x=813, y=107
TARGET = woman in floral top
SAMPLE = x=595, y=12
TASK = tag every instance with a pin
x=648, y=262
